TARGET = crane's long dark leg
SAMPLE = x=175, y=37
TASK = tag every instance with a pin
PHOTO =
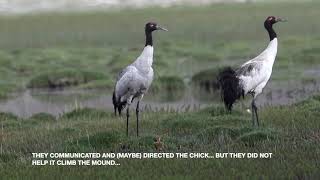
x=128, y=120
x=254, y=111
x=137, y=114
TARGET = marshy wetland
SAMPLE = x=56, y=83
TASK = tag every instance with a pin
x=57, y=74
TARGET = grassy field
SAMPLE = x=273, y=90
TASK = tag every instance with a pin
x=87, y=50
x=34, y=47
x=291, y=133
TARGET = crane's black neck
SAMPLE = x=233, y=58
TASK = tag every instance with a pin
x=272, y=33
x=149, y=41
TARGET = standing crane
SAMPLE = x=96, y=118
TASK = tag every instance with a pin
x=253, y=75
x=134, y=80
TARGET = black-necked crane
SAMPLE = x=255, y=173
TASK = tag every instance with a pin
x=253, y=75
x=134, y=80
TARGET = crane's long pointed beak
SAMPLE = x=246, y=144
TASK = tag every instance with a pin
x=282, y=20
x=161, y=28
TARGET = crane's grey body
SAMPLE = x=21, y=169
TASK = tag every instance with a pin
x=255, y=73
x=134, y=80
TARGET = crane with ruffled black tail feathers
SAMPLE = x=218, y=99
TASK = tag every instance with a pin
x=252, y=76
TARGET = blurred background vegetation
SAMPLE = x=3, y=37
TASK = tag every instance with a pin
x=46, y=47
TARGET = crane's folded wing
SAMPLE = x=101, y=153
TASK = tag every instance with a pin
x=250, y=68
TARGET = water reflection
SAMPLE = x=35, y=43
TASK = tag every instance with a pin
x=57, y=102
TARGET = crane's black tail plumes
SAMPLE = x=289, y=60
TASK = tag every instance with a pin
x=117, y=105
x=230, y=87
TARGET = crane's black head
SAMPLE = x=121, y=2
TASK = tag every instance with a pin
x=152, y=26
x=268, y=25
x=272, y=20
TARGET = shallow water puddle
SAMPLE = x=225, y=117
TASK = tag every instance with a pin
x=57, y=102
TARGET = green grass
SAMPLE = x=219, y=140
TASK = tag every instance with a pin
x=291, y=133
x=88, y=49
x=199, y=38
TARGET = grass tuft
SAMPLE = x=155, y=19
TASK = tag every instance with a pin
x=86, y=113
x=256, y=136
x=98, y=141
x=7, y=116
x=43, y=117
x=60, y=79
